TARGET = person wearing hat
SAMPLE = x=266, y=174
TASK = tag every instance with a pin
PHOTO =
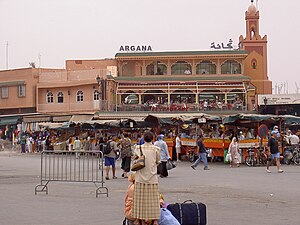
x=164, y=156
x=241, y=137
x=273, y=147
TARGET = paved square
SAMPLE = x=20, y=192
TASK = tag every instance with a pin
x=233, y=196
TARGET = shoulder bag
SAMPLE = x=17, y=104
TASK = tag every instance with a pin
x=139, y=162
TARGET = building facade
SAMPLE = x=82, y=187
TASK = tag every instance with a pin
x=161, y=81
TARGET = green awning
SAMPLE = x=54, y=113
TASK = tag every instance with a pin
x=8, y=120
x=12, y=83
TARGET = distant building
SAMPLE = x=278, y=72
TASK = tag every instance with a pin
x=280, y=104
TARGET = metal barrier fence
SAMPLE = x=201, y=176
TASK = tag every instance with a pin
x=72, y=166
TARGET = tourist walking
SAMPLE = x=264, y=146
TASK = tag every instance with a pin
x=126, y=153
x=273, y=148
x=110, y=157
x=146, y=192
x=234, y=151
x=202, y=155
x=164, y=156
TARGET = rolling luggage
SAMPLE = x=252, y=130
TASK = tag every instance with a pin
x=189, y=212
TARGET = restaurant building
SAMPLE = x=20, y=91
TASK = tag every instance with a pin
x=222, y=79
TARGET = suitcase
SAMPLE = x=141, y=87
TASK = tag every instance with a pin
x=189, y=212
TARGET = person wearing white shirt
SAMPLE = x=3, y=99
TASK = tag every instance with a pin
x=292, y=139
x=178, y=146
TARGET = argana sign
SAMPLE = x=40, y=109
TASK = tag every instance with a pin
x=135, y=48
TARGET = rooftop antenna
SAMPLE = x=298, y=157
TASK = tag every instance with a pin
x=6, y=53
x=297, y=88
x=40, y=59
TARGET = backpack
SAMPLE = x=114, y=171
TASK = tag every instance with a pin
x=107, y=149
x=126, y=144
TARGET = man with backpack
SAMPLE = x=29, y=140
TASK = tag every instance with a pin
x=126, y=153
x=110, y=154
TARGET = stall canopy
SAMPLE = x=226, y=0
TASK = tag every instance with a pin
x=250, y=120
x=133, y=123
x=8, y=120
x=83, y=117
x=290, y=120
x=203, y=117
x=37, y=118
x=51, y=125
x=163, y=119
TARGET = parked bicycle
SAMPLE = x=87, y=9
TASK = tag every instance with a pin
x=256, y=157
x=291, y=154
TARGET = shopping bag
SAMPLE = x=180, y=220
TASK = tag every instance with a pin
x=228, y=157
x=170, y=164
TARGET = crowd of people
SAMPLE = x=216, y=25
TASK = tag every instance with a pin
x=143, y=199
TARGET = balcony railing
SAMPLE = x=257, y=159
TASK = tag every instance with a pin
x=179, y=107
x=68, y=107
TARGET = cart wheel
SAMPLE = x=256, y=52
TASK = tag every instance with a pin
x=248, y=161
x=191, y=157
x=296, y=159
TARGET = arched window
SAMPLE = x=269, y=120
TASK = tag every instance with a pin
x=231, y=67
x=60, y=97
x=206, y=67
x=79, y=96
x=96, y=95
x=49, y=97
x=254, y=64
x=181, y=67
x=160, y=70
x=150, y=69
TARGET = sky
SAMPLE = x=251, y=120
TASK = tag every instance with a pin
x=59, y=30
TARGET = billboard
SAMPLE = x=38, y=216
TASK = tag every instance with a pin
x=284, y=99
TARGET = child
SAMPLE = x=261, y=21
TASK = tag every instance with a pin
x=129, y=201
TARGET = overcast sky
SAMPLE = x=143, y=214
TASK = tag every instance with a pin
x=93, y=29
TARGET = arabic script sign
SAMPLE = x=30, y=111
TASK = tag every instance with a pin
x=222, y=45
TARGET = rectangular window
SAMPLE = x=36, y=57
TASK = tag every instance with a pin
x=4, y=92
x=21, y=91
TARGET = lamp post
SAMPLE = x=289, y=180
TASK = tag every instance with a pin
x=102, y=92
x=98, y=79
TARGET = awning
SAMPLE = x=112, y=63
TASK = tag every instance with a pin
x=8, y=120
x=51, y=125
x=34, y=119
x=61, y=118
x=291, y=120
x=76, y=118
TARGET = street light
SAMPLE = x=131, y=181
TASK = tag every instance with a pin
x=102, y=92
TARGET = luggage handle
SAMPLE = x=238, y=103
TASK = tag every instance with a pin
x=180, y=211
